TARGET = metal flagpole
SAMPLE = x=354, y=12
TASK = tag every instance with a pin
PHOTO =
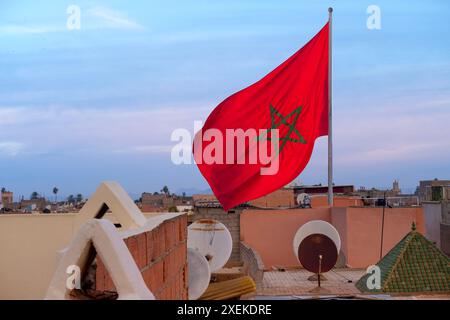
x=330, y=131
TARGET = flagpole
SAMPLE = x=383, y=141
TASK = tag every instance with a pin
x=330, y=127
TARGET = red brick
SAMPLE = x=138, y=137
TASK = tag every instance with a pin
x=150, y=248
x=147, y=276
x=166, y=269
x=156, y=246
x=183, y=228
x=159, y=295
x=170, y=234
x=176, y=259
x=163, y=294
x=109, y=284
x=176, y=230
x=175, y=290
x=186, y=276
x=142, y=250
x=184, y=254
x=174, y=262
x=100, y=275
x=179, y=257
x=178, y=287
x=160, y=234
x=170, y=291
x=158, y=274
x=132, y=245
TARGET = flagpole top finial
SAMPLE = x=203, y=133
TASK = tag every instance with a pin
x=330, y=9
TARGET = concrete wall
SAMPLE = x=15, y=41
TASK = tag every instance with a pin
x=360, y=230
x=230, y=220
x=338, y=201
x=432, y=212
x=160, y=255
x=254, y=264
x=340, y=222
x=29, y=246
x=445, y=212
x=271, y=232
x=445, y=238
x=278, y=198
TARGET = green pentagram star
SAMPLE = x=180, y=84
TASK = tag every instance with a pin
x=275, y=115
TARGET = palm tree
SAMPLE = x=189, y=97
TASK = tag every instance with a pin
x=34, y=195
x=55, y=192
x=165, y=190
x=79, y=197
x=71, y=199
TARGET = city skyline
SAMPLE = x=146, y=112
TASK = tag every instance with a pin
x=82, y=106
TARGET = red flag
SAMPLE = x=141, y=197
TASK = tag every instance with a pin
x=293, y=98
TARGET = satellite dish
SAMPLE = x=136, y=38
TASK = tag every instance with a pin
x=212, y=239
x=304, y=200
x=316, y=246
x=199, y=274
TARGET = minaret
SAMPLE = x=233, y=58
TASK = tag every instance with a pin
x=396, y=187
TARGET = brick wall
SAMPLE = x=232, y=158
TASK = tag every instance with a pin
x=161, y=256
x=230, y=220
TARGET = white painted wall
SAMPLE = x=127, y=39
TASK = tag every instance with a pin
x=29, y=246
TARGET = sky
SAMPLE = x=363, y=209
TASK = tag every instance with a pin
x=81, y=106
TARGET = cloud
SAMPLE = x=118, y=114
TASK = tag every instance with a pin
x=97, y=18
x=11, y=148
x=382, y=137
x=147, y=149
x=113, y=18
x=22, y=30
x=99, y=130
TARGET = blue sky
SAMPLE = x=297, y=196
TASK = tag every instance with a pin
x=78, y=107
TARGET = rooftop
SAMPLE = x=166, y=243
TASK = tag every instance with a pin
x=415, y=264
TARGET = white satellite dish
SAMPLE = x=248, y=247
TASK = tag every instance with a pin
x=199, y=274
x=316, y=227
x=304, y=200
x=212, y=239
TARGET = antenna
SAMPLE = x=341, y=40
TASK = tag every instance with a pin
x=316, y=245
x=212, y=239
x=304, y=200
x=199, y=274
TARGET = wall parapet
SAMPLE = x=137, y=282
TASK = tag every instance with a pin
x=253, y=262
x=160, y=251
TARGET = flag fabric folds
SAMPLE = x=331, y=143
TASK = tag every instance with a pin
x=293, y=99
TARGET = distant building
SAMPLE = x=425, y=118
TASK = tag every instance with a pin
x=38, y=204
x=158, y=202
x=435, y=199
x=394, y=197
x=323, y=189
x=7, y=199
x=281, y=198
x=199, y=197
x=379, y=193
x=434, y=190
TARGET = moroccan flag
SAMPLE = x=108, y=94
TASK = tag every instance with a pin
x=292, y=100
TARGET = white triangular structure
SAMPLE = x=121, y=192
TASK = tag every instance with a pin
x=110, y=195
x=111, y=248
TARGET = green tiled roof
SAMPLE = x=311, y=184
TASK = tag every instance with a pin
x=414, y=265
